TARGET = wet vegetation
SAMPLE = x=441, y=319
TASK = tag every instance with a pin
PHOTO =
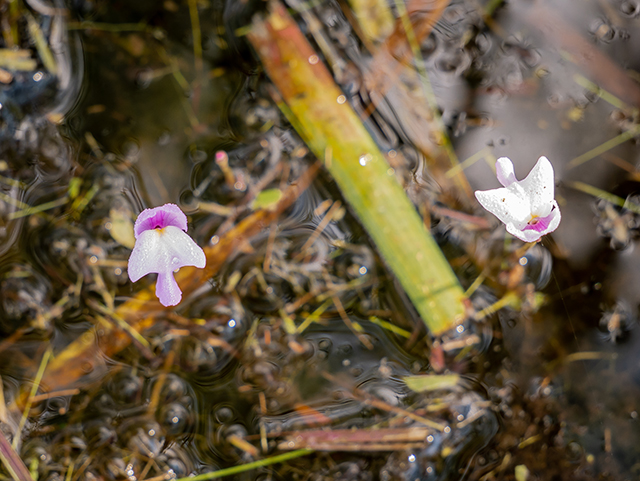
x=311, y=347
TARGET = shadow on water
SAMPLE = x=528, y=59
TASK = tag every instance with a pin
x=303, y=338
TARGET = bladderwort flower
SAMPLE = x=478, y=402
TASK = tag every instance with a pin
x=163, y=246
x=526, y=207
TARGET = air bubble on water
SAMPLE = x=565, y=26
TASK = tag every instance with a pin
x=362, y=270
x=232, y=323
x=412, y=458
x=629, y=8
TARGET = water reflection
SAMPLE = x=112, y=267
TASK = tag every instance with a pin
x=302, y=337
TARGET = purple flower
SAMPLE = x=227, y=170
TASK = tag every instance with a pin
x=526, y=207
x=163, y=246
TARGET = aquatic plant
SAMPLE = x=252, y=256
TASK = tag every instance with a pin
x=526, y=207
x=317, y=108
x=163, y=246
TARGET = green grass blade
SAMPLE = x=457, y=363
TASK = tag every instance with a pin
x=318, y=110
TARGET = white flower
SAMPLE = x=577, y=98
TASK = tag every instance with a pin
x=526, y=206
x=162, y=246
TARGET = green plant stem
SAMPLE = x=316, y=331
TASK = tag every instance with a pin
x=318, y=111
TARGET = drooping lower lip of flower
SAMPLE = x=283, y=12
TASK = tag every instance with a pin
x=163, y=246
x=526, y=207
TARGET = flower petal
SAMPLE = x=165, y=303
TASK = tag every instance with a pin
x=143, y=259
x=520, y=203
x=531, y=234
x=539, y=187
x=164, y=250
x=167, y=289
x=159, y=218
x=523, y=235
x=504, y=171
x=181, y=250
x=507, y=204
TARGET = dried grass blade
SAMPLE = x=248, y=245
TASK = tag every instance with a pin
x=12, y=462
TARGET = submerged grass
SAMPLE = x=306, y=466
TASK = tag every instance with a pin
x=429, y=94
x=34, y=390
x=243, y=468
x=603, y=194
x=140, y=312
x=605, y=146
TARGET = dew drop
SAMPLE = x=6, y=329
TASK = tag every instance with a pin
x=365, y=159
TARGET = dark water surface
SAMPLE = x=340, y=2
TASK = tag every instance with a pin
x=128, y=114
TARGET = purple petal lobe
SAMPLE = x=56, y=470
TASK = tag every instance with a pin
x=534, y=231
x=159, y=218
x=540, y=224
x=167, y=290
